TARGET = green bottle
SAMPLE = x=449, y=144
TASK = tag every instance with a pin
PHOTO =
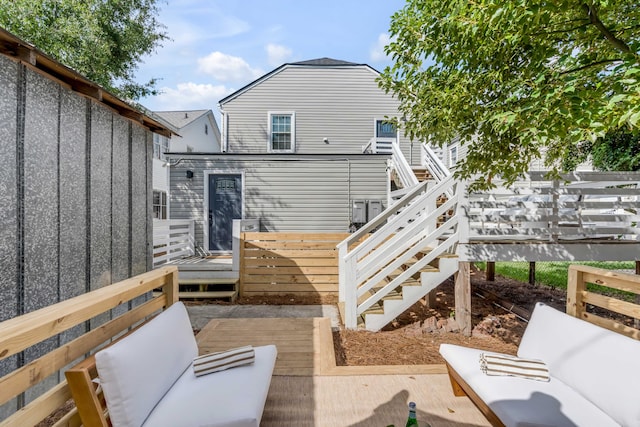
x=412, y=421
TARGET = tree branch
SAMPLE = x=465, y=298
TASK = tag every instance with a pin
x=562, y=30
x=593, y=64
x=595, y=20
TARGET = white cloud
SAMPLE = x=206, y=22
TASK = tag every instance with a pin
x=191, y=96
x=377, y=50
x=227, y=68
x=277, y=54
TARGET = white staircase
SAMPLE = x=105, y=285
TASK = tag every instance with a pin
x=411, y=252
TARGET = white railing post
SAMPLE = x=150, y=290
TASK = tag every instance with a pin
x=342, y=254
x=461, y=212
x=191, y=237
x=235, y=245
x=351, y=295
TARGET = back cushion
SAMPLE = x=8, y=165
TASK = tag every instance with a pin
x=601, y=365
x=137, y=371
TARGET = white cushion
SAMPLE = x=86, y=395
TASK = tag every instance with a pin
x=601, y=365
x=138, y=370
x=230, y=398
x=521, y=402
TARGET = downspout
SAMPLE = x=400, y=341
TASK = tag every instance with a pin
x=223, y=119
x=349, y=203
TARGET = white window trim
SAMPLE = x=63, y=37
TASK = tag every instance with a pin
x=293, y=131
x=452, y=161
x=375, y=129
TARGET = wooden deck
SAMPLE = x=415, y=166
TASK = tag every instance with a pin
x=308, y=389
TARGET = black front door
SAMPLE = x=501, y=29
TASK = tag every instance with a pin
x=225, y=205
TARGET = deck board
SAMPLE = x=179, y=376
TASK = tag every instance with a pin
x=305, y=346
x=308, y=389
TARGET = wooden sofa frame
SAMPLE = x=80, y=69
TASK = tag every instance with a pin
x=25, y=331
x=577, y=299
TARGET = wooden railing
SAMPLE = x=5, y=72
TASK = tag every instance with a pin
x=581, y=301
x=583, y=205
x=289, y=263
x=24, y=332
x=172, y=239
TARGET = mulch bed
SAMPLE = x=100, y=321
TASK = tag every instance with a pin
x=407, y=340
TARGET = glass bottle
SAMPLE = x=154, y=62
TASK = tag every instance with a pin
x=412, y=421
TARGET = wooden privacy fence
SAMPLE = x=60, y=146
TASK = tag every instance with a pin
x=37, y=329
x=289, y=263
x=581, y=301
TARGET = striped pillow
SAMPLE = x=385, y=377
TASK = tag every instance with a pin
x=503, y=364
x=219, y=361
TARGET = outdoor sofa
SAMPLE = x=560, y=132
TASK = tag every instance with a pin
x=594, y=374
x=148, y=379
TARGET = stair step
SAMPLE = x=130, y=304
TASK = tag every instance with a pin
x=231, y=295
x=374, y=309
x=412, y=282
x=207, y=281
x=391, y=295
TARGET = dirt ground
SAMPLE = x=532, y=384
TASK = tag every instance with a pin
x=498, y=310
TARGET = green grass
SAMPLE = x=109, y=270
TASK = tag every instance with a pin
x=552, y=274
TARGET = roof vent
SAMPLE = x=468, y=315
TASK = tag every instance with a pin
x=186, y=115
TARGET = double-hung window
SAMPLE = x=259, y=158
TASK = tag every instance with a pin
x=282, y=135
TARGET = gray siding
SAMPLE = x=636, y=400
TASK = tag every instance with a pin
x=72, y=168
x=337, y=103
x=295, y=194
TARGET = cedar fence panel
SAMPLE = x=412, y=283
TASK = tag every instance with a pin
x=289, y=263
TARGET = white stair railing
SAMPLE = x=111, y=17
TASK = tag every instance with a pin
x=413, y=226
x=402, y=167
x=434, y=165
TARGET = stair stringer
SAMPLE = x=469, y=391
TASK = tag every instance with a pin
x=411, y=294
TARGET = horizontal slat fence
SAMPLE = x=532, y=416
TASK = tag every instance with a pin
x=172, y=239
x=582, y=205
x=581, y=301
x=289, y=263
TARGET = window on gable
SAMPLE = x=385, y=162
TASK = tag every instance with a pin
x=206, y=129
x=281, y=132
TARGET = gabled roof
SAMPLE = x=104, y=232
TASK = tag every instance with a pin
x=319, y=62
x=182, y=118
x=325, y=62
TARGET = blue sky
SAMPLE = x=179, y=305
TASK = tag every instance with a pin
x=218, y=47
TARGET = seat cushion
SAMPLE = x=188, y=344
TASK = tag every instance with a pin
x=136, y=372
x=520, y=402
x=230, y=398
x=599, y=364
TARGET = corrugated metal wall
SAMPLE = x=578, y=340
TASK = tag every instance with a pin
x=287, y=193
x=340, y=104
x=76, y=194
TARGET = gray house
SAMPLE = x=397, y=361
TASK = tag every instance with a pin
x=306, y=147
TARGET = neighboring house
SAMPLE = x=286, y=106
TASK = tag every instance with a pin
x=293, y=143
x=196, y=131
